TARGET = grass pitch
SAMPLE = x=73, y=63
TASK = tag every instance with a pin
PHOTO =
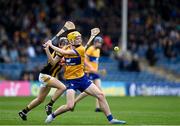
x=136, y=111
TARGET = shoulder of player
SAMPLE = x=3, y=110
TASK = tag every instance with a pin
x=80, y=48
x=90, y=48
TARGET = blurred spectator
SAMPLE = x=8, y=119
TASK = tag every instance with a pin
x=46, y=18
x=31, y=51
x=30, y=74
x=129, y=63
x=25, y=25
x=14, y=55
x=151, y=56
x=169, y=49
x=134, y=65
x=4, y=54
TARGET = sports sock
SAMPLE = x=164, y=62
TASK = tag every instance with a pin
x=51, y=103
x=109, y=117
x=53, y=115
x=26, y=110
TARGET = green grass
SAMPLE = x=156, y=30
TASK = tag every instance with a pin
x=136, y=111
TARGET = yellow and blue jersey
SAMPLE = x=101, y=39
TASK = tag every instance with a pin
x=92, y=57
x=74, y=67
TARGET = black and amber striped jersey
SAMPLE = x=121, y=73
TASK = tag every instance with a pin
x=50, y=69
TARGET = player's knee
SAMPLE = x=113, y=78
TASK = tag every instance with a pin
x=40, y=100
x=70, y=106
x=62, y=88
x=101, y=96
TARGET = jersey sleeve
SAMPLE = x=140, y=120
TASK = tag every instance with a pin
x=89, y=51
x=80, y=50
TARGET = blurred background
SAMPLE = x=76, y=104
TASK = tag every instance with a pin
x=149, y=63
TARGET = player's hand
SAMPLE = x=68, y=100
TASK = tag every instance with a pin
x=49, y=42
x=45, y=45
x=102, y=72
x=62, y=61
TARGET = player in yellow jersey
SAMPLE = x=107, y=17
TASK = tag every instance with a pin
x=48, y=79
x=77, y=80
x=91, y=68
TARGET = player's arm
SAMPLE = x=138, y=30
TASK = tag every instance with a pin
x=51, y=60
x=62, y=51
x=91, y=69
x=89, y=52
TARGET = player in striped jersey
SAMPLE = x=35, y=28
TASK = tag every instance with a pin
x=48, y=79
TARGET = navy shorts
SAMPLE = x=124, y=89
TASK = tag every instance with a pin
x=80, y=84
x=93, y=76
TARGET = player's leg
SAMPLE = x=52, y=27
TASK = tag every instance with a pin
x=80, y=97
x=97, y=82
x=53, y=82
x=70, y=97
x=38, y=100
x=94, y=91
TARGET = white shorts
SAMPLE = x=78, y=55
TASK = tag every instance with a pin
x=44, y=78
